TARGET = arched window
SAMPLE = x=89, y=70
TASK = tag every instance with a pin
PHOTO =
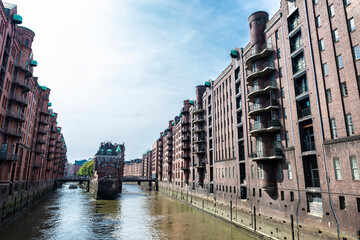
x=27, y=42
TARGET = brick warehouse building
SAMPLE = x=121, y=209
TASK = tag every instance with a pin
x=275, y=138
x=33, y=150
x=134, y=168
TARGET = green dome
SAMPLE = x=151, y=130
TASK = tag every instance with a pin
x=207, y=84
x=33, y=63
x=17, y=19
x=53, y=115
x=49, y=104
x=234, y=53
x=191, y=102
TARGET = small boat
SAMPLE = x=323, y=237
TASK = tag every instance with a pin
x=72, y=186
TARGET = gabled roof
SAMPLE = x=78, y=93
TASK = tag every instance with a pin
x=110, y=149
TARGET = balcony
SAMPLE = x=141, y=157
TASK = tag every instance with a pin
x=200, y=150
x=184, y=122
x=257, y=109
x=200, y=163
x=185, y=147
x=308, y=146
x=199, y=129
x=9, y=157
x=198, y=110
x=44, y=122
x=304, y=113
x=40, y=141
x=42, y=131
x=23, y=101
x=185, y=168
x=13, y=132
x=269, y=127
x=17, y=116
x=22, y=83
x=258, y=53
x=23, y=68
x=40, y=150
x=258, y=90
x=185, y=139
x=199, y=138
x=301, y=91
x=198, y=119
x=45, y=112
x=272, y=154
x=266, y=69
x=185, y=155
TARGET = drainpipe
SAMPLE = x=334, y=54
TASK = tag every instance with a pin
x=320, y=119
x=245, y=123
x=292, y=130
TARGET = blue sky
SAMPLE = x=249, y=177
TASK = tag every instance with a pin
x=119, y=70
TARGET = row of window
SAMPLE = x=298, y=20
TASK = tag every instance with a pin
x=349, y=126
x=337, y=167
x=225, y=188
x=222, y=173
x=354, y=168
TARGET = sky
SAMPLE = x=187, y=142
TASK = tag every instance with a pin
x=120, y=70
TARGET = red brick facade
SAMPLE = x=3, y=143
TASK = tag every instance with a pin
x=33, y=149
x=277, y=133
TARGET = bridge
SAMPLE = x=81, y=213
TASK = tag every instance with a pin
x=80, y=179
x=139, y=180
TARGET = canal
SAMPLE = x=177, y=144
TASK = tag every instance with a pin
x=137, y=214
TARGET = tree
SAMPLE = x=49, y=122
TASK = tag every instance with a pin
x=87, y=169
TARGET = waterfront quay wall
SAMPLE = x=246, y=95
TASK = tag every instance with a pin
x=25, y=196
x=105, y=188
x=241, y=214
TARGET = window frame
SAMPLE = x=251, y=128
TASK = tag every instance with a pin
x=337, y=169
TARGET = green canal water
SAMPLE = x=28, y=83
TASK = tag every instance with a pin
x=136, y=214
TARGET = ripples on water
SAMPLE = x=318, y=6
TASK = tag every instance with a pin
x=137, y=214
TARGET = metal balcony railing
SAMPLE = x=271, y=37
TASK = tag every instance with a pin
x=308, y=146
x=9, y=156
x=13, y=132
x=18, y=98
x=21, y=82
x=269, y=103
x=258, y=52
x=269, y=124
x=19, y=116
x=270, y=153
x=258, y=88
x=304, y=112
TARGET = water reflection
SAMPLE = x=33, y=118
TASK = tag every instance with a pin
x=74, y=214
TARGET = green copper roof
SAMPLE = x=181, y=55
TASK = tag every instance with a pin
x=191, y=102
x=118, y=149
x=207, y=84
x=180, y=115
x=53, y=115
x=43, y=88
x=234, y=53
x=33, y=63
x=59, y=129
x=173, y=123
x=17, y=19
x=49, y=104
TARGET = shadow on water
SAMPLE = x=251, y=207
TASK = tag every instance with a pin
x=136, y=214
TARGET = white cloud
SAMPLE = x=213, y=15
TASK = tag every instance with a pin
x=119, y=70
